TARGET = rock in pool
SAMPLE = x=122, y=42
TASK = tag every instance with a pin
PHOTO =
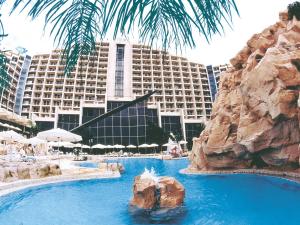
x=163, y=192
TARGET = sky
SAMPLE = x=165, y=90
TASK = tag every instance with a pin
x=255, y=15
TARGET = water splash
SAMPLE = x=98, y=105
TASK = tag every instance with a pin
x=150, y=174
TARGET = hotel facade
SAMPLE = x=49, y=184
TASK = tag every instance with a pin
x=113, y=75
x=11, y=98
x=214, y=73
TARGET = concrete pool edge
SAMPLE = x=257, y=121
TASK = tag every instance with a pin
x=7, y=188
x=291, y=176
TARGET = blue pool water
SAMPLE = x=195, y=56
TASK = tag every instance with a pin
x=224, y=199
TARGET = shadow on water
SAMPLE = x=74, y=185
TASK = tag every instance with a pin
x=157, y=216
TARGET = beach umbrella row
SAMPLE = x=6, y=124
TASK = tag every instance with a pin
x=67, y=144
x=101, y=146
x=33, y=141
x=59, y=135
x=130, y=146
x=11, y=136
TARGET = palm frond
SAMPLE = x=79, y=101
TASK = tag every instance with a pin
x=75, y=25
x=212, y=14
x=169, y=23
x=2, y=32
x=76, y=28
x=4, y=76
x=164, y=23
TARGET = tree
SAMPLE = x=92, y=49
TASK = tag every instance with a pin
x=76, y=24
x=156, y=134
x=33, y=130
x=4, y=76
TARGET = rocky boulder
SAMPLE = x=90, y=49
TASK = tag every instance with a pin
x=166, y=192
x=144, y=193
x=171, y=192
x=22, y=171
x=256, y=116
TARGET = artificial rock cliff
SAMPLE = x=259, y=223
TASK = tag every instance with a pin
x=255, y=121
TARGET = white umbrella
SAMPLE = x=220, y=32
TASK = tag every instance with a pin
x=144, y=146
x=130, y=146
x=154, y=145
x=109, y=146
x=85, y=146
x=52, y=143
x=33, y=141
x=182, y=142
x=99, y=146
x=58, y=134
x=119, y=146
x=55, y=144
x=78, y=145
x=167, y=144
x=10, y=136
x=67, y=144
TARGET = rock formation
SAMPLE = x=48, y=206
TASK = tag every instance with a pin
x=144, y=193
x=256, y=116
x=171, y=192
x=21, y=171
x=149, y=194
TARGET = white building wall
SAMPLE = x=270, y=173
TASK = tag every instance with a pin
x=111, y=68
x=110, y=88
x=128, y=71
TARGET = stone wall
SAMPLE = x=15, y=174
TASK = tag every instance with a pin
x=255, y=118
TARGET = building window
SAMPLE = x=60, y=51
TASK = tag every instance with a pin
x=172, y=124
x=67, y=122
x=212, y=82
x=119, y=75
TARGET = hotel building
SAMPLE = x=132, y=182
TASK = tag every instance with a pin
x=11, y=98
x=113, y=75
x=214, y=73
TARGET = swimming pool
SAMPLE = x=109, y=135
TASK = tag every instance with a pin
x=223, y=199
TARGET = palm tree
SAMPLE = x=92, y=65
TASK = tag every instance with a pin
x=76, y=24
x=156, y=134
x=4, y=76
